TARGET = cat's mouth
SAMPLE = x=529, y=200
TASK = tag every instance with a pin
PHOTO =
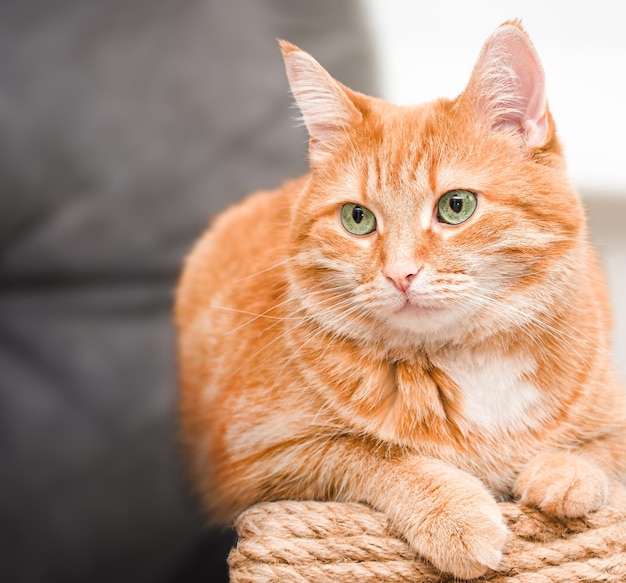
x=420, y=316
x=416, y=308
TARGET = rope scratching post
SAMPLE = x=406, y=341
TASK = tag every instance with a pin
x=335, y=542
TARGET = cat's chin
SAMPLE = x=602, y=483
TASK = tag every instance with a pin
x=411, y=309
x=420, y=318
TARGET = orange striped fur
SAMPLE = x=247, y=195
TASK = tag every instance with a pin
x=309, y=371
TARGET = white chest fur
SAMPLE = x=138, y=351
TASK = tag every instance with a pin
x=496, y=392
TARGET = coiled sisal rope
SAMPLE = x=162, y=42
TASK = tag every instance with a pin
x=333, y=542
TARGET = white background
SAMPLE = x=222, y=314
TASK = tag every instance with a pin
x=427, y=49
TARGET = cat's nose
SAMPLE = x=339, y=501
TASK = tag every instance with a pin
x=401, y=275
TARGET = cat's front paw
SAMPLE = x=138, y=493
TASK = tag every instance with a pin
x=464, y=536
x=562, y=483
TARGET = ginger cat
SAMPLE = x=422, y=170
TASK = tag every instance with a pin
x=419, y=323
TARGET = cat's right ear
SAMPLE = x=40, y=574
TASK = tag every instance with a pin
x=508, y=85
x=326, y=108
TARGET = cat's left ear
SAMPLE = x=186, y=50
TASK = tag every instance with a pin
x=326, y=108
x=508, y=86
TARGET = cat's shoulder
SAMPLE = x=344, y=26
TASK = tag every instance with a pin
x=244, y=239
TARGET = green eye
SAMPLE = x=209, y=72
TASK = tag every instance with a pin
x=456, y=206
x=358, y=220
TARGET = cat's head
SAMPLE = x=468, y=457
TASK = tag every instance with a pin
x=433, y=222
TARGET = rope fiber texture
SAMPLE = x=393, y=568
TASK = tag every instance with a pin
x=306, y=542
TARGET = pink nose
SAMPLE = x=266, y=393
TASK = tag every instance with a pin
x=401, y=275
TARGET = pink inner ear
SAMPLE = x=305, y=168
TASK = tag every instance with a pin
x=509, y=82
x=326, y=108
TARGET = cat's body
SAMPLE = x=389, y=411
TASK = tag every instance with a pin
x=425, y=366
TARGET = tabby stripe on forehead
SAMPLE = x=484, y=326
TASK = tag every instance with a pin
x=432, y=174
x=378, y=173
